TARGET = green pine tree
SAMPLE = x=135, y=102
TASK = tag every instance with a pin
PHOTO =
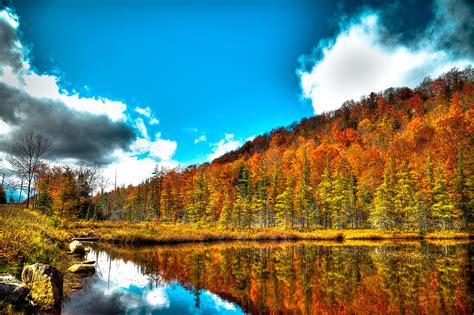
x=461, y=189
x=383, y=211
x=306, y=204
x=225, y=219
x=406, y=199
x=200, y=197
x=284, y=208
x=324, y=192
x=443, y=208
x=339, y=201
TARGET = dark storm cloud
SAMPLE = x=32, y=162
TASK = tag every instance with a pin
x=448, y=24
x=453, y=26
x=11, y=52
x=74, y=134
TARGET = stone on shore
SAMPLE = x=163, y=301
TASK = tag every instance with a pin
x=45, y=283
x=82, y=269
x=76, y=247
x=12, y=290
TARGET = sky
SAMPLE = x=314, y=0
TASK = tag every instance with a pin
x=132, y=84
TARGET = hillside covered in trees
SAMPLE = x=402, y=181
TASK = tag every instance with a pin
x=399, y=159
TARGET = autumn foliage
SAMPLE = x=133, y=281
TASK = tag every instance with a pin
x=399, y=159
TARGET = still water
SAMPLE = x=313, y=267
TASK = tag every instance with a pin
x=263, y=278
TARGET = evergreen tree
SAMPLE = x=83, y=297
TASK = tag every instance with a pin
x=157, y=182
x=225, y=219
x=351, y=191
x=383, y=212
x=406, y=200
x=461, y=189
x=284, y=209
x=273, y=195
x=200, y=197
x=363, y=204
x=242, y=210
x=306, y=202
x=339, y=201
x=44, y=203
x=426, y=217
x=211, y=208
x=260, y=202
x=442, y=209
x=324, y=197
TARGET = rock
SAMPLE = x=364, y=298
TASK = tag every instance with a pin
x=45, y=283
x=88, y=262
x=76, y=247
x=12, y=290
x=82, y=269
x=76, y=286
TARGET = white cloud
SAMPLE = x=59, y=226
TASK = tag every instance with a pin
x=154, y=121
x=148, y=114
x=160, y=149
x=144, y=111
x=200, y=139
x=251, y=138
x=140, y=124
x=163, y=149
x=229, y=143
x=10, y=17
x=9, y=77
x=4, y=127
x=360, y=60
x=132, y=169
x=47, y=86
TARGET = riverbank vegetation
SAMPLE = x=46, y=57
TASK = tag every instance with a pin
x=124, y=232
x=28, y=237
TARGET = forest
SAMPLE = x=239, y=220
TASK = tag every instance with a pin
x=400, y=159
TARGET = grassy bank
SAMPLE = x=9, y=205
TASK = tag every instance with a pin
x=27, y=237
x=149, y=233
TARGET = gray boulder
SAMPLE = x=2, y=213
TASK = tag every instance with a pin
x=12, y=290
x=76, y=247
x=45, y=283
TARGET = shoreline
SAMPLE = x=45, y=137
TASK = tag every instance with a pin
x=155, y=234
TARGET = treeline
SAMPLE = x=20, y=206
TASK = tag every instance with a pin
x=67, y=191
x=400, y=159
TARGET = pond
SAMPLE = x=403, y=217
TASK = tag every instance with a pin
x=262, y=278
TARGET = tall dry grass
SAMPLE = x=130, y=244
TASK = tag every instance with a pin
x=27, y=237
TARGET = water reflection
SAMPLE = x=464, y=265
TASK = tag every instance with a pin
x=263, y=278
x=121, y=286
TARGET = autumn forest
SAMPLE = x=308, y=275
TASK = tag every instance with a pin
x=401, y=159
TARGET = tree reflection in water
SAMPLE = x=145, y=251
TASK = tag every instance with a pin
x=306, y=277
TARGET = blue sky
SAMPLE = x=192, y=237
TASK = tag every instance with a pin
x=182, y=82
x=215, y=66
